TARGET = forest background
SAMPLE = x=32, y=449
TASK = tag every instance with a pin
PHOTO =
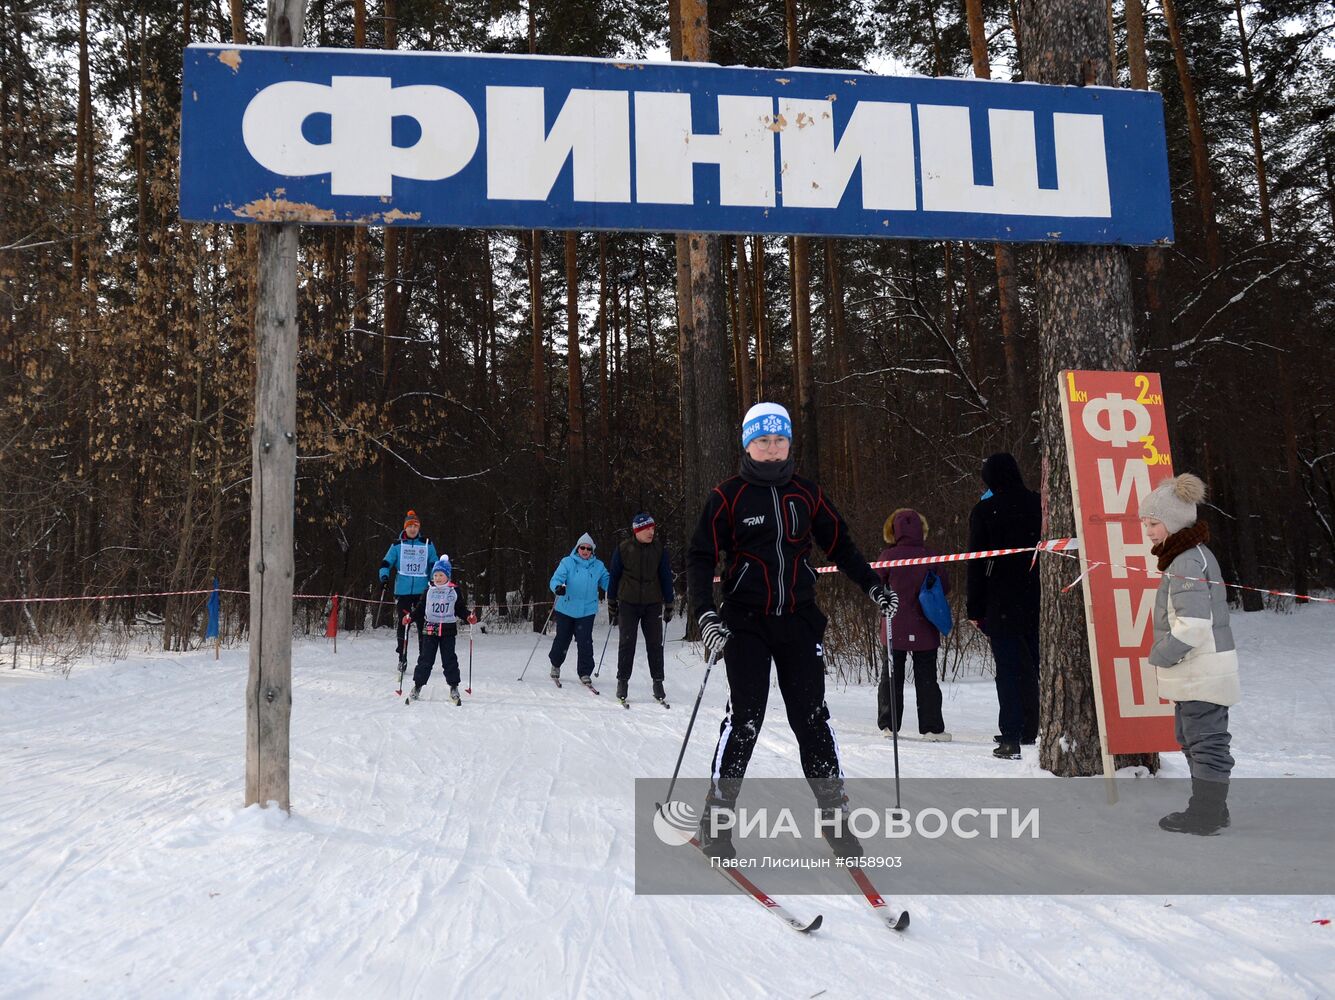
x=517, y=388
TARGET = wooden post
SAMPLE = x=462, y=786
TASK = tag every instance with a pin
x=273, y=488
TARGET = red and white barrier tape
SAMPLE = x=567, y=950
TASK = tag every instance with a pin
x=107, y=597
x=1051, y=545
x=1064, y=547
x=1195, y=579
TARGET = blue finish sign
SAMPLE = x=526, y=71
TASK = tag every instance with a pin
x=432, y=139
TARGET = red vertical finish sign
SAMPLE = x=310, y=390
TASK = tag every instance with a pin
x=1117, y=449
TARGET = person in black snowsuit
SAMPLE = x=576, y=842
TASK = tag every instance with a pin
x=438, y=613
x=639, y=597
x=1004, y=596
x=763, y=523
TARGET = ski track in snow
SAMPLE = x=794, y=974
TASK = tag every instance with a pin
x=487, y=851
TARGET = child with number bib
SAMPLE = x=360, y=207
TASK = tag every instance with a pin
x=409, y=558
x=437, y=613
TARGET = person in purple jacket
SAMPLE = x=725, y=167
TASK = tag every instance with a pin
x=906, y=532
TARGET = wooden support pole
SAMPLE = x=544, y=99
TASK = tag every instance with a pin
x=273, y=489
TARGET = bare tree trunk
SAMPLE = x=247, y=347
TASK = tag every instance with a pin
x=1297, y=533
x=1200, y=156
x=574, y=380
x=650, y=321
x=83, y=158
x=759, y=310
x=1330, y=186
x=604, y=407
x=392, y=288
x=834, y=277
x=1138, y=63
x=708, y=353
x=804, y=359
x=742, y=330
x=686, y=372
x=1084, y=321
x=1112, y=40
x=360, y=255
x=273, y=489
x=1258, y=148
x=1008, y=294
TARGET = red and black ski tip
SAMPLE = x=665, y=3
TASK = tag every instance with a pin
x=878, y=904
x=772, y=905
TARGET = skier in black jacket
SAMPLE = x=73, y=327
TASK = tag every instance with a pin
x=1004, y=596
x=763, y=521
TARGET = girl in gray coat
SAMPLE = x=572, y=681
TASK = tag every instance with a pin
x=1193, y=651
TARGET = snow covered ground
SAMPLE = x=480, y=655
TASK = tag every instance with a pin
x=487, y=851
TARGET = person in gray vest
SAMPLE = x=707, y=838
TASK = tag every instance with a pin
x=1193, y=652
x=640, y=596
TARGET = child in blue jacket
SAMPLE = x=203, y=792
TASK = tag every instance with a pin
x=409, y=558
x=576, y=583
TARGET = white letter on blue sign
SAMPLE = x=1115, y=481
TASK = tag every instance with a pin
x=815, y=171
x=360, y=157
x=523, y=159
x=666, y=149
x=947, y=165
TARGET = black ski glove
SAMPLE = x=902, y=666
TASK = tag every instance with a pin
x=886, y=599
x=560, y=590
x=668, y=612
x=714, y=631
x=613, y=609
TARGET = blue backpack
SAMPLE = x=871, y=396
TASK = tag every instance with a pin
x=932, y=600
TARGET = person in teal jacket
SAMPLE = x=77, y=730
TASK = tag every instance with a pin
x=409, y=559
x=577, y=583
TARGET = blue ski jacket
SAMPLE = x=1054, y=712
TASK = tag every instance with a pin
x=397, y=559
x=583, y=579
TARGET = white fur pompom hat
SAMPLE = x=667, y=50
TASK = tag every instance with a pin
x=1174, y=501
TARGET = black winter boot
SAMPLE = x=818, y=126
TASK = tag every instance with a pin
x=834, y=828
x=659, y=693
x=717, y=845
x=623, y=688
x=1206, y=813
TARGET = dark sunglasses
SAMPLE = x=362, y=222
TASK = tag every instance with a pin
x=586, y=548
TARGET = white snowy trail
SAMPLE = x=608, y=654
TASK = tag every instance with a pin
x=487, y=850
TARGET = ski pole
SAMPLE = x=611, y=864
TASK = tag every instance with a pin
x=894, y=706
x=709, y=665
x=604, y=652
x=539, y=642
x=469, y=689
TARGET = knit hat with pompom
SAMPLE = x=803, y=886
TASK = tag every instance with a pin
x=1174, y=502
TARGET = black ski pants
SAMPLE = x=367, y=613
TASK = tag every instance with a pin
x=1016, y=657
x=402, y=605
x=579, y=629
x=648, y=618
x=426, y=659
x=925, y=685
x=793, y=642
